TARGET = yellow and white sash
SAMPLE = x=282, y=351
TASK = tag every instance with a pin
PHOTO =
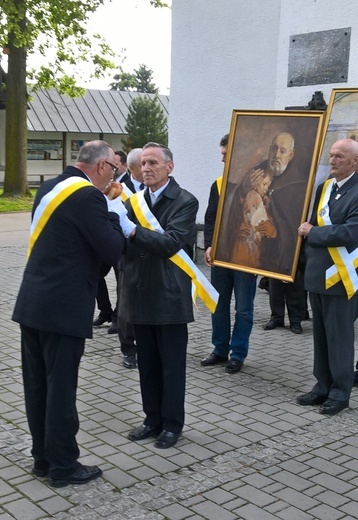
x=219, y=183
x=126, y=192
x=49, y=203
x=345, y=264
x=201, y=286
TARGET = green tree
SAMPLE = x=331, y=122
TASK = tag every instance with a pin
x=35, y=27
x=146, y=121
x=141, y=80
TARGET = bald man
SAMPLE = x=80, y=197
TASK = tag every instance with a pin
x=331, y=241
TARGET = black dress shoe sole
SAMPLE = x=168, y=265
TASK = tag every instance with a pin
x=166, y=443
x=74, y=481
x=218, y=361
x=41, y=473
x=296, y=329
x=273, y=326
x=233, y=370
x=99, y=322
x=145, y=435
x=129, y=365
x=333, y=410
x=129, y=362
x=311, y=402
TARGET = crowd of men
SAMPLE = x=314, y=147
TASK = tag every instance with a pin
x=144, y=226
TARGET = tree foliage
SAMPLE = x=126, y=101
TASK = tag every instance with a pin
x=141, y=80
x=35, y=27
x=146, y=121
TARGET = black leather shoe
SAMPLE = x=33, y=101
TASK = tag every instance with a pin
x=264, y=284
x=166, y=440
x=272, y=324
x=331, y=406
x=213, y=359
x=296, y=328
x=311, y=399
x=40, y=469
x=143, y=432
x=233, y=366
x=129, y=362
x=102, y=318
x=82, y=475
x=112, y=329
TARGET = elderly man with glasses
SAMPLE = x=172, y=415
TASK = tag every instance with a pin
x=72, y=231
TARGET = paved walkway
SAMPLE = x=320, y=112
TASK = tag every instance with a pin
x=247, y=452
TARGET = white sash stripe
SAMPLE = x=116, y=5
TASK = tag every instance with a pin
x=196, y=273
x=347, y=258
x=46, y=199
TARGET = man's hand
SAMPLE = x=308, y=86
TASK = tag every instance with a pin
x=304, y=229
x=116, y=205
x=113, y=190
x=208, y=257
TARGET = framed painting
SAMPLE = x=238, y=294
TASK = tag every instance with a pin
x=266, y=190
x=340, y=123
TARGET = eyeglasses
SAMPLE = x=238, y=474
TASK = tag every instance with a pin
x=114, y=168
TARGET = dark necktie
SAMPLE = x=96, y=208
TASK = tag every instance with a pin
x=335, y=187
x=141, y=186
x=334, y=190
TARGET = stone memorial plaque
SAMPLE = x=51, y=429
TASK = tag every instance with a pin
x=319, y=57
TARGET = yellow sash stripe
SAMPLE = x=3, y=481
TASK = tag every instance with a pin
x=344, y=263
x=203, y=287
x=50, y=203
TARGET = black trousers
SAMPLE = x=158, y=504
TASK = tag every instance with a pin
x=103, y=301
x=295, y=297
x=162, y=371
x=125, y=329
x=333, y=338
x=50, y=364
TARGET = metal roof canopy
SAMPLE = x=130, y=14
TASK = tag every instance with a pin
x=98, y=111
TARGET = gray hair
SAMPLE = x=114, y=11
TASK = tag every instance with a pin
x=93, y=151
x=134, y=157
x=166, y=152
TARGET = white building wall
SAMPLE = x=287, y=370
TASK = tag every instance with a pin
x=233, y=54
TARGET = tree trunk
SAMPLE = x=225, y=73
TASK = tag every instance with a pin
x=15, y=181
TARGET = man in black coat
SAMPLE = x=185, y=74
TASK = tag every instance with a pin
x=125, y=330
x=331, y=245
x=156, y=293
x=71, y=233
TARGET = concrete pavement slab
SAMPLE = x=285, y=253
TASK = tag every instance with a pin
x=248, y=450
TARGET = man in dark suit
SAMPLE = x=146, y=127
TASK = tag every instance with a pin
x=331, y=241
x=71, y=232
x=156, y=293
x=132, y=184
x=106, y=313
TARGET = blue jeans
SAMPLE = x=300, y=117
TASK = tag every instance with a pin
x=226, y=281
